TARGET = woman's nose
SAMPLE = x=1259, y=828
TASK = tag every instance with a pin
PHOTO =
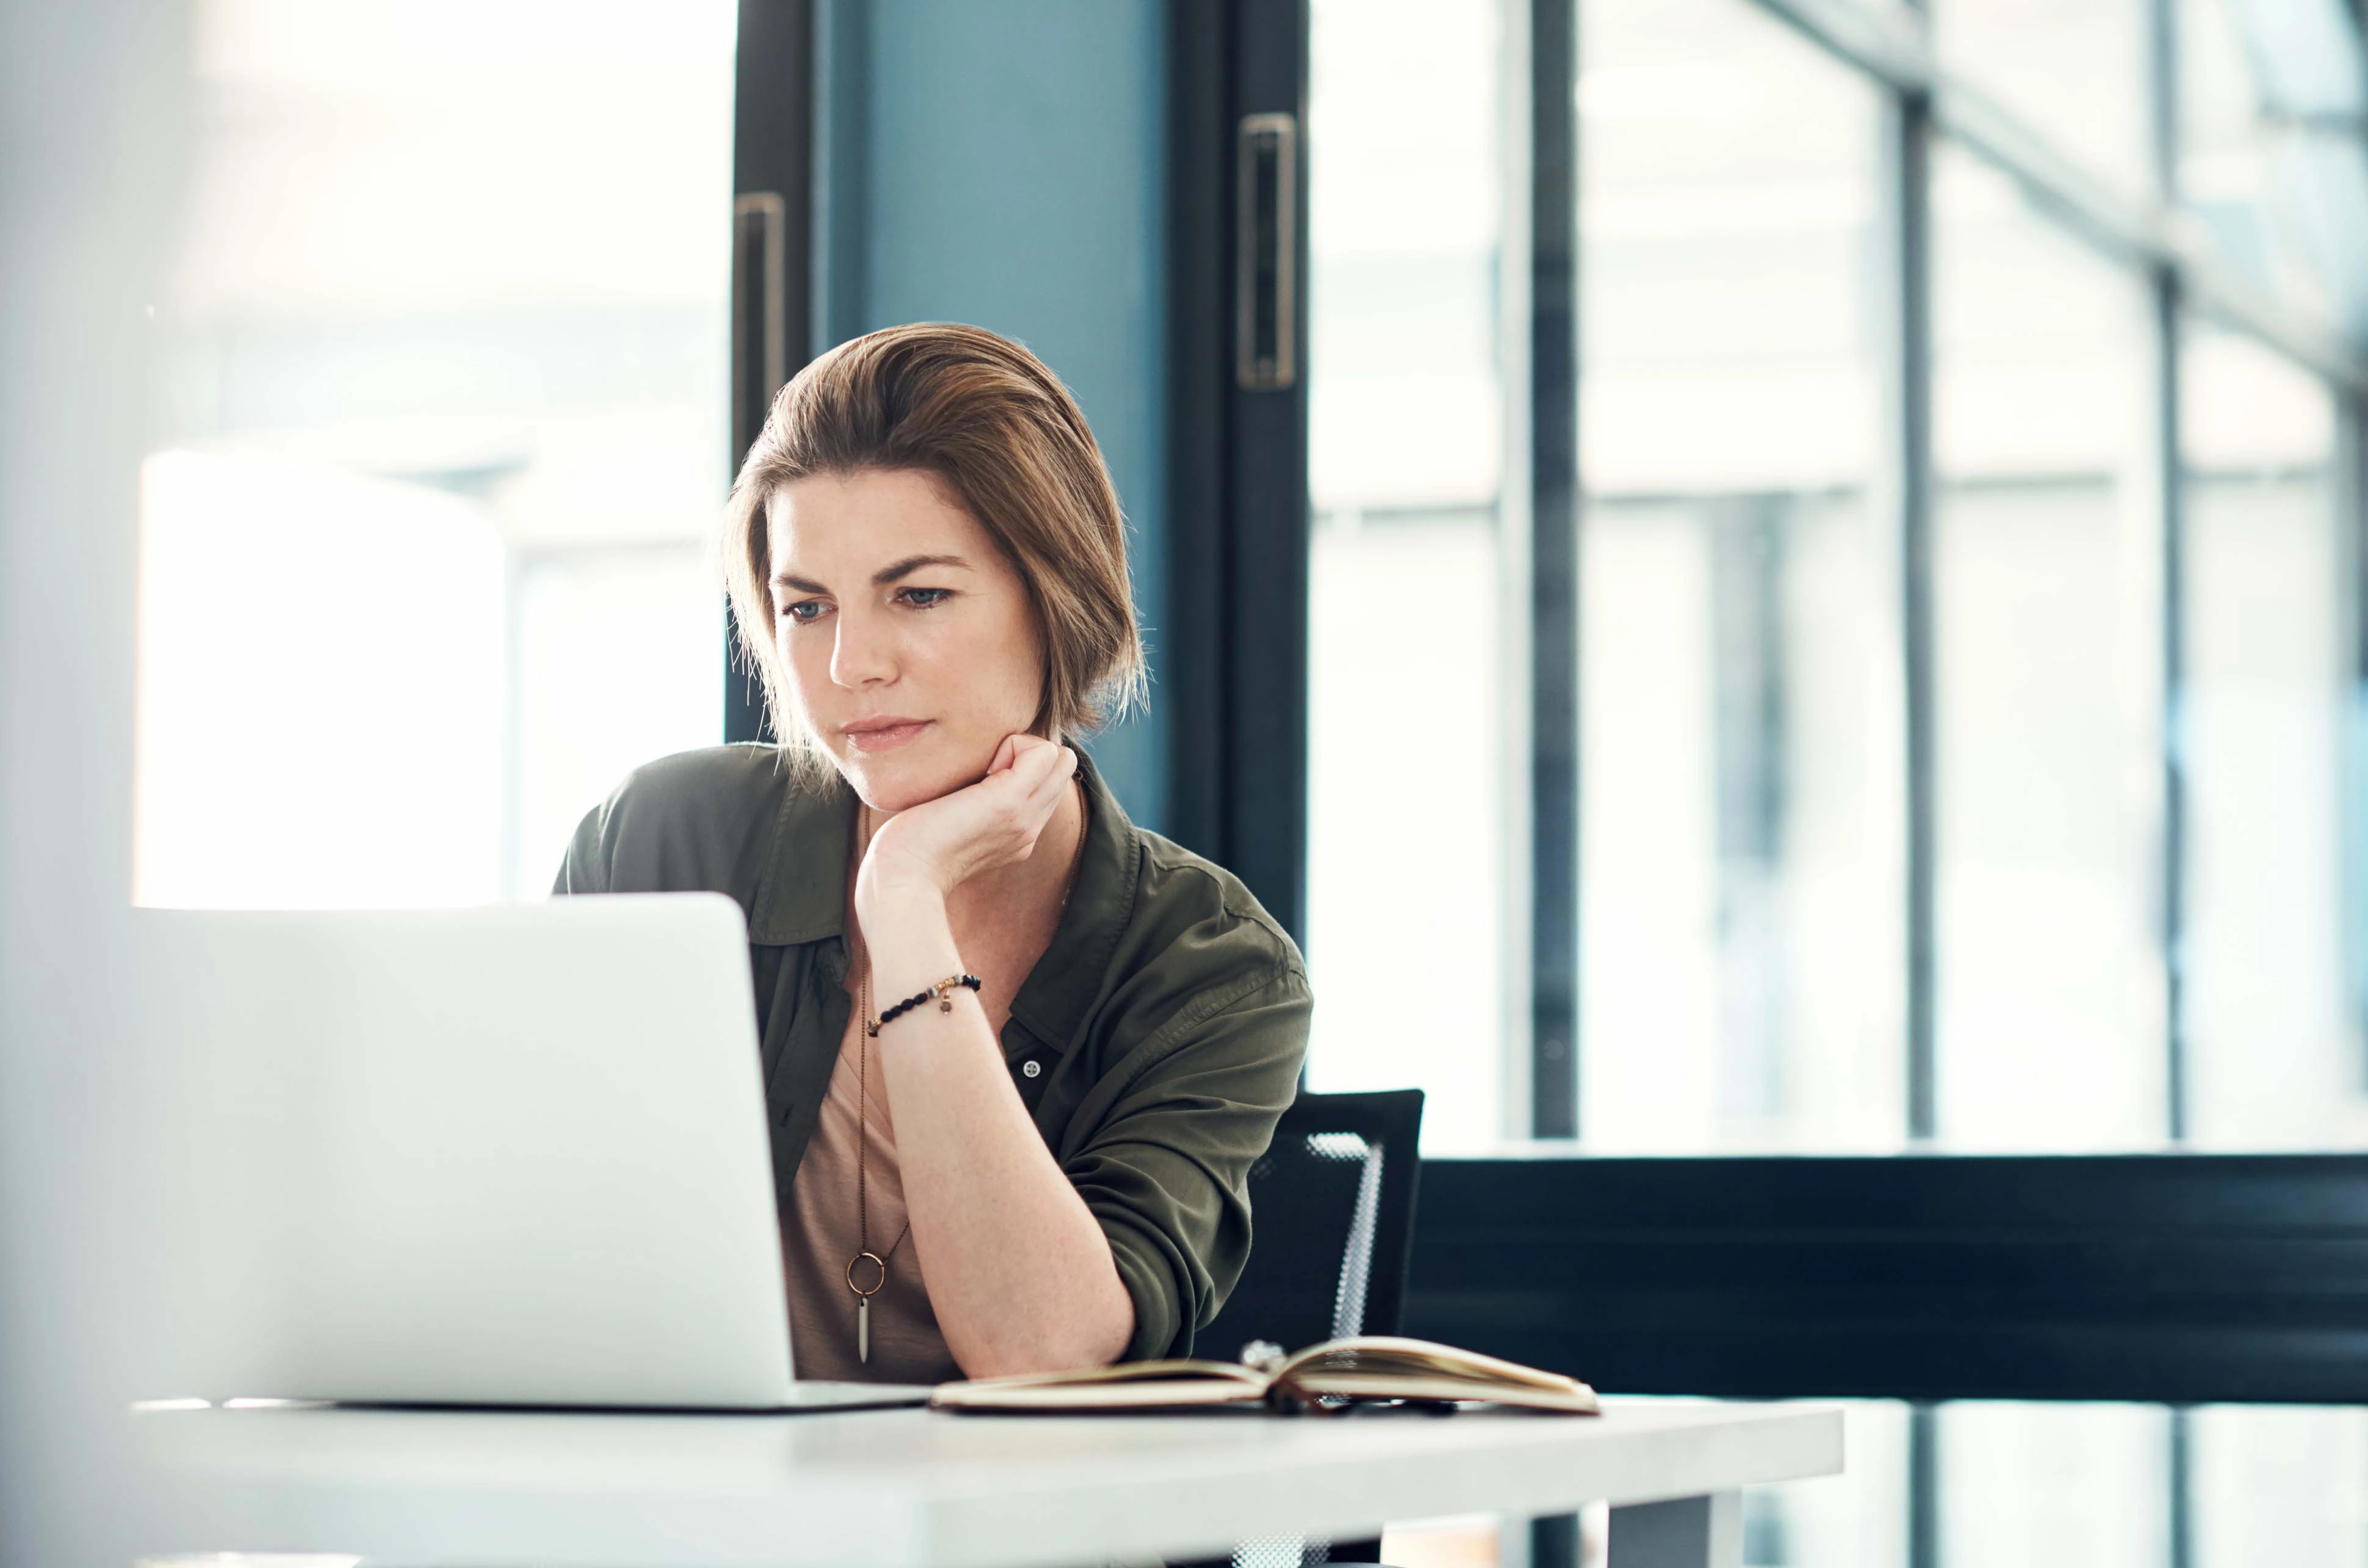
x=861, y=654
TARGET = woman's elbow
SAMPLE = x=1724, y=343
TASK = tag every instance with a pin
x=1096, y=1337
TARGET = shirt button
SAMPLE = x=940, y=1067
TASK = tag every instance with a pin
x=1032, y=1068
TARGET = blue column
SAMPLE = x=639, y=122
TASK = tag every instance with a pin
x=1005, y=165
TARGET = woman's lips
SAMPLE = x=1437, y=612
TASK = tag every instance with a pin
x=875, y=735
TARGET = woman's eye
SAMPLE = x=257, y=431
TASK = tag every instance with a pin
x=804, y=610
x=923, y=599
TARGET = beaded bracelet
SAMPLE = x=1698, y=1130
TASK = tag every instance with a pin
x=942, y=991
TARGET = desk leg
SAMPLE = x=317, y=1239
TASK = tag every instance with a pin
x=1686, y=1532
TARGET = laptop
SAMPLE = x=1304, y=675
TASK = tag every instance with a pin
x=511, y=1156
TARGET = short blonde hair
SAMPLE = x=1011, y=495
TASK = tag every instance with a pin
x=993, y=425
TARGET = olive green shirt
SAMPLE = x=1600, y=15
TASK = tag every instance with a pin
x=1154, y=1043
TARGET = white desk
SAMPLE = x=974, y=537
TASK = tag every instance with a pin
x=912, y=1489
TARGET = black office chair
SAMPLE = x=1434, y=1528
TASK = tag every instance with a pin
x=1332, y=1217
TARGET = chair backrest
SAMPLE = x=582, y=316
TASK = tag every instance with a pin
x=1332, y=1217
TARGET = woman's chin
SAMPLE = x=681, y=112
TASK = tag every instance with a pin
x=899, y=780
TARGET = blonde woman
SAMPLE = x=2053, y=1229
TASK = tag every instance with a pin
x=1020, y=1054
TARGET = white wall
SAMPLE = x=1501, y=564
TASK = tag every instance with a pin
x=90, y=101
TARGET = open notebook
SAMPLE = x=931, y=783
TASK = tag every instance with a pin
x=1332, y=1376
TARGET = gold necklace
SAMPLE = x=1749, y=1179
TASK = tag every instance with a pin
x=863, y=1253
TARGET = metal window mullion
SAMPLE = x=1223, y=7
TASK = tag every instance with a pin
x=1908, y=168
x=2181, y=1487
x=2351, y=537
x=773, y=231
x=1908, y=203
x=1924, y=1548
x=1192, y=633
x=1553, y=568
x=2168, y=294
x=1269, y=561
x=2171, y=504
x=1517, y=1100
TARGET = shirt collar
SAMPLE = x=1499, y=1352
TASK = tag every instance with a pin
x=801, y=896
x=1075, y=967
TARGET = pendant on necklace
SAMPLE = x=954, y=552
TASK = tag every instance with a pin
x=863, y=1297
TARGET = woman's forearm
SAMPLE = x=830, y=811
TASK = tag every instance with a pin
x=1019, y=1274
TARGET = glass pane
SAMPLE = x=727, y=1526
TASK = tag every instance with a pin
x=2280, y=1483
x=2054, y=1485
x=2047, y=625
x=424, y=569
x=2265, y=187
x=1740, y=789
x=2075, y=71
x=2274, y=1037
x=1405, y=440
x=2225, y=155
x=1856, y=1519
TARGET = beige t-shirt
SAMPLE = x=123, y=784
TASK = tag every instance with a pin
x=819, y=1235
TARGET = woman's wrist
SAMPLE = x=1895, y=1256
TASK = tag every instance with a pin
x=904, y=904
x=909, y=941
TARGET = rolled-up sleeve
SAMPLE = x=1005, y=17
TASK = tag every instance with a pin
x=1166, y=1170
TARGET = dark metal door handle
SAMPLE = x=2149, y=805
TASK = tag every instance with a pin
x=1266, y=252
x=760, y=320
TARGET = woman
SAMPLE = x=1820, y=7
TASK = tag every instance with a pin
x=1020, y=1054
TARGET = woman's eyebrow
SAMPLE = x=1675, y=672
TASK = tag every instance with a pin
x=912, y=563
x=882, y=578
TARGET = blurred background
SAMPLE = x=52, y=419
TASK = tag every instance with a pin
x=1827, y=612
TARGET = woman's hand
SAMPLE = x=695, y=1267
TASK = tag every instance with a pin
x=934, y=848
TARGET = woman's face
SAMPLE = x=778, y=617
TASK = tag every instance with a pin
x=911, y=647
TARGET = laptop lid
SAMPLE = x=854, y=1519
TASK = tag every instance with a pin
x=512, y=1155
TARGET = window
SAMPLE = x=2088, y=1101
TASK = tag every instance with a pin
x=1748, y=810
x=1904, y=608
x=1739, y=796
x=2049, y=1012
x=2270, y=743
x=2069, y=1485
x=2249, y=167
x=2075, y=71
x=2280, y=1484
x=1405, y=918
x=425, y=566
